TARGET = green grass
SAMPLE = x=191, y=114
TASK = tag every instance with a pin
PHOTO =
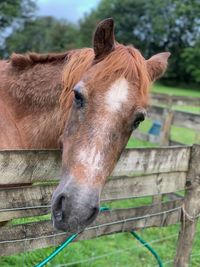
x=121, y=250
x=158, y=88
x=114, y=250
x=191, y=109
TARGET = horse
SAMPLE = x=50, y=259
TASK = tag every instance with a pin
x=85, y=101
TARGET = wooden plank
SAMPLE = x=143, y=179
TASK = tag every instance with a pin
x=22, y=213
x=156, y=113
x=146, y=137
x=175, y=143
x=157, y=98
x=186, y=119
x=29, y=196
x=37, y=196
x=191, y=211
x=181, y=118
x=152, y=160
x=22, y=166
x=35, y=235
x=140, y=186
x=139, y=135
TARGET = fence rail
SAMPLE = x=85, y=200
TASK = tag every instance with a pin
x=169, y=100
x=139, y=172
x=169, y=117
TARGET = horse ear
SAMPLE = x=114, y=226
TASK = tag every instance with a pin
x=157, y=65
x=103, y=40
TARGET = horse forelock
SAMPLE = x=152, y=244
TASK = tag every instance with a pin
x=127, y=62
x=73, y=71
x=124, y=61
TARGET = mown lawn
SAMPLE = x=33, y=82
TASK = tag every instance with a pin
x=121, y=250
x=189, y=136
x=159, y=88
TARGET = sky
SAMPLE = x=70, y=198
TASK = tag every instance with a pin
x=71, y=10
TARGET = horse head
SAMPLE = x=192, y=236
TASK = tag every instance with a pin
x=109, y=102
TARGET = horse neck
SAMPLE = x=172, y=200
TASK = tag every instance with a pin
x=32, y=98
x=36, y=91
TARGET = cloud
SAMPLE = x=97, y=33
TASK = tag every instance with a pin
x=71, y=10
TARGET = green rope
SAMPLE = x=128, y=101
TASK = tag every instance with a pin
x=72, y=237
x=145, y=244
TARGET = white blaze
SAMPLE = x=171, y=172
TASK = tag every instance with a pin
x=90, y=158
x=117, y=94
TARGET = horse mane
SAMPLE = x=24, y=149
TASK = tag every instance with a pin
x=22, y=61
x=127, y=62
x=124, y=61
x=73, y=70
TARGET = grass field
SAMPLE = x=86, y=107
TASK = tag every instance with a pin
x=158, y=88
x=120, y=250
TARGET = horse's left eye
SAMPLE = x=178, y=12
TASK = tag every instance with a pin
x=78, y=99
x=139, y=118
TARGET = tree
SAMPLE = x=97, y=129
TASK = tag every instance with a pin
x=152, y=26
x=191, y=59
x=13, y=10
x=43, y=34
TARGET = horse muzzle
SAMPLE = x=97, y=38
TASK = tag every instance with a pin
x=74, y=207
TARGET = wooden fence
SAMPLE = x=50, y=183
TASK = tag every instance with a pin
x=139, y=173
x=170, y=100
x=168, y=117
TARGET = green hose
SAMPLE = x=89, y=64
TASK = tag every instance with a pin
x=72, y=237
x=145, y=244
x=57, y=250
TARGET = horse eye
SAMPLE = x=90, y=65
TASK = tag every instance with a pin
x=139, y=118
x=78, y=99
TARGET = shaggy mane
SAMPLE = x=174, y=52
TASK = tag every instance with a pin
x=124, y=61
x=22, y=61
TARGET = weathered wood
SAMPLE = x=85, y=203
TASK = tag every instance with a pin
x=190, y=211
x=168, y=118
x=152, y=160
x=186, y=119
x=157, y=98
x=175, y=143
x=166, y=126
x=180, y=118
x=146, y=137
x=157, y=199
x=31, y=166
x=116, y=188
x=173, y=196
x=22, y=213
x=148, y=185
x=20, y=166
x=35, y=235
x=156, y=113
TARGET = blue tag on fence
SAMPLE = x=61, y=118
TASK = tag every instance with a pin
x=155, y=128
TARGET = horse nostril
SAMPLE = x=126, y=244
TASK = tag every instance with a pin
x=93, y=215
x=58, y=216
x=59, y=208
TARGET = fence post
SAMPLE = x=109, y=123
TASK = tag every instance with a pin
x=165, y=131
x=191, y=210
